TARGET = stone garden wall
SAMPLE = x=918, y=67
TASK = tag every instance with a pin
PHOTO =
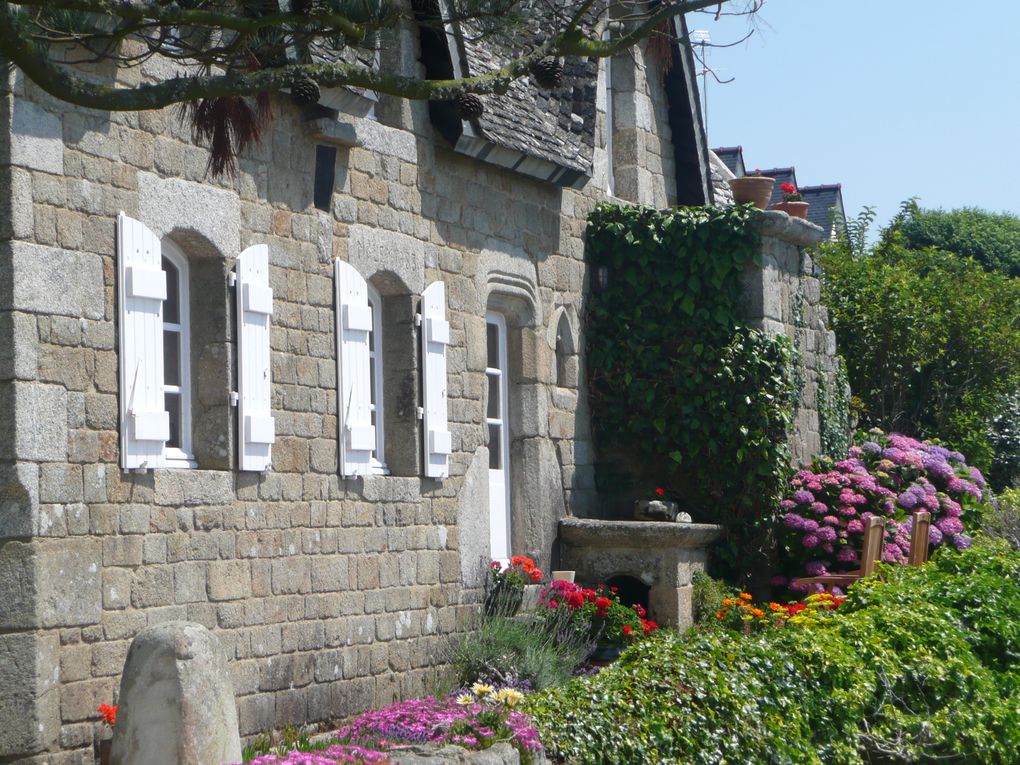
x=783, y=297
x=328, y=596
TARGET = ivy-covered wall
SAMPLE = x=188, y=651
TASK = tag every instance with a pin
x=706, y=347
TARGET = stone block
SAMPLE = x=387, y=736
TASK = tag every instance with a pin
x=40, y=423
x=19, y=346
x=30, y=703
x=168, y=205
x=37, y=138
x=177, y=701
x=69, y=590
x=228, y=580
x=19, y=499
x=48, y=281
x=59, y=482
x=18, y=587
x=193, y=487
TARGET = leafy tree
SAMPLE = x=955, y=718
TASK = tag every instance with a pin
x=932, y=340
x=226, y=50
x=992, y=239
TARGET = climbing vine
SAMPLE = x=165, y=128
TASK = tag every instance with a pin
x=834, y=411
x=684, y=394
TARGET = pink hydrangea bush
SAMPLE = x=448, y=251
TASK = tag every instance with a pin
x=822, y=520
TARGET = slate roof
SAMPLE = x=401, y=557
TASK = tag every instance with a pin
x=733, y=158
x=823, y=199
x=555, y=125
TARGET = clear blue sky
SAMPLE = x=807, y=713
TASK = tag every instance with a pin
x=891, y=98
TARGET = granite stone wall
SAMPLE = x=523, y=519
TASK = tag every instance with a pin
x=328, y=595
x=782, y=295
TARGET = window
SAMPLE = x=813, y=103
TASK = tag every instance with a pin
x=375, y=388
x=499, y=440
x=177, y=357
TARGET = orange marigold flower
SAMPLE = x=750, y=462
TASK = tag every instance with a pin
x=720, y=614
x=727, y=601
x=745, y=595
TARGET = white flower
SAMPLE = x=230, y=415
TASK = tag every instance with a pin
x=465, y=698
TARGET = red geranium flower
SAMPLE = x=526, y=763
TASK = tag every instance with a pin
x=627, y=630
x=789, y=188
x=109, y=713
x=660, y=492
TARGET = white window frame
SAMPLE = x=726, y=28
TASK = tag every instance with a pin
x=503, y=421
x=182, y=457
x=610, y=179
x=377, y=466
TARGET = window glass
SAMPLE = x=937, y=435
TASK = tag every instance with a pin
x=492, y=339
x=172, y=304
x=492, y=407
x=171, y=357
x=173, y=407
x=495, y=445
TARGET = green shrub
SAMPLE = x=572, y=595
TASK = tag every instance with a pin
x=1003, y=521
x=707, y=596
x=920, y=668
x=930, y=339
x=520, y=651
x=992, y=239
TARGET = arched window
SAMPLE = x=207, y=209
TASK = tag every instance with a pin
x=177, y=357
x=375, y=367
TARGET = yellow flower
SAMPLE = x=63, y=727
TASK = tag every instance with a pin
x=508, y=696
x=481, y=690
x=465, y=698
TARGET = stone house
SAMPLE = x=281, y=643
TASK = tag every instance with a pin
x=304, y=405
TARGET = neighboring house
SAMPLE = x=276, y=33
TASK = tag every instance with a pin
x=826, y=210
x=303, y=406
x=733, y=158
x=826, y=201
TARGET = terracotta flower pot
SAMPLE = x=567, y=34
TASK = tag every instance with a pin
x=793, y=209
x=756, y=189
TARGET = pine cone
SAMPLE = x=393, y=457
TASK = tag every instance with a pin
x=469, y=106
x=304, y=90
x=548, y=72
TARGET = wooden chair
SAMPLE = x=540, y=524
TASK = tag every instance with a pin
x=919, y=538
x=871, y=554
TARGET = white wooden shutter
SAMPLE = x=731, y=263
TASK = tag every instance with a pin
x=144, y=421
x=353, y=323
x=435, y=336
x=256, y=427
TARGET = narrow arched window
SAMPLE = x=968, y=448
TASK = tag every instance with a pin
x=375, y=367
x=177, y=357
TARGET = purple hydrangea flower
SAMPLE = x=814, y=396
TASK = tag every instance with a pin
x=871, y=448
x=803, y=497
x=816, y=568
x=819, y=508
x=961, y=541
x=949, y=525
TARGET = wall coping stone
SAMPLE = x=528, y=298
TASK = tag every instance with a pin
x=591, y=532
x=797, y=231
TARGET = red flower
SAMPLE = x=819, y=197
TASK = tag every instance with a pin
x=614, y=589
x=574, y=600
x=627, y=630
x=660, y=492
x=109, y=713
x=789, y=188
x=536, y=575
x=639, y=610
x=649, y=626
x=589, y=595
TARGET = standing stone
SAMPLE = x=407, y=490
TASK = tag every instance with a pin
x=176, y=704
